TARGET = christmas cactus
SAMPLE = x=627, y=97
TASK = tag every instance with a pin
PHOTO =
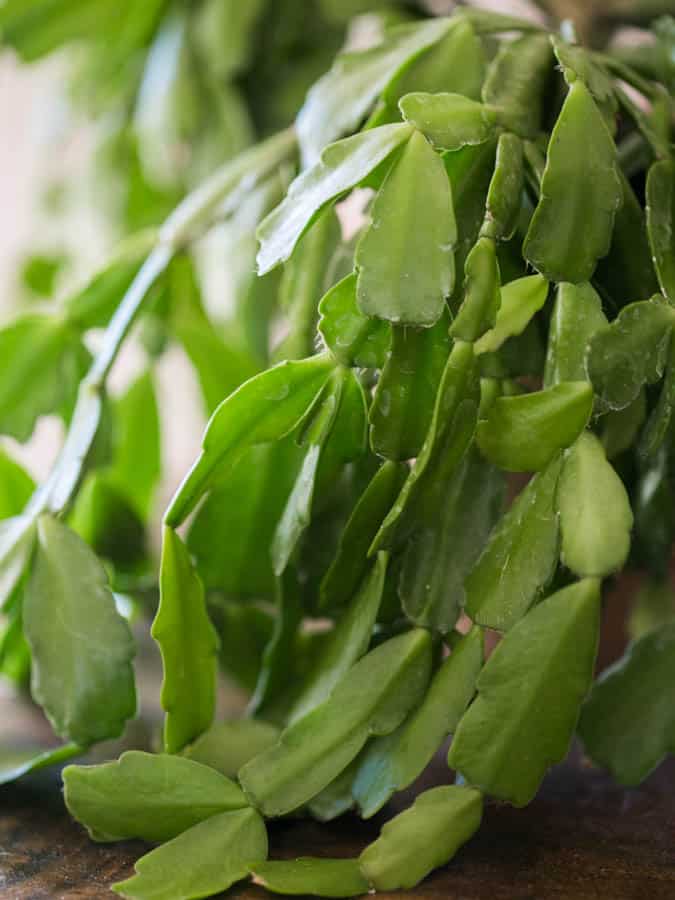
x=465, y=270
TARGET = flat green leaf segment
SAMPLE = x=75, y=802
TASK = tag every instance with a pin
x=577, y=315
x=353, y=339
x=15, y=765
x=628, y=722
x=81, y=648
x=421, y=838
x=390, y=764
x=188, y=643
x=502, y=207
x=227, y=746
x=149, y=796
x=372, y=699
x=516, y=83
x=520, y=557
x=263, y=409
x=16, y=486
x=529, y=695
x=404, y=259
x=661, y=223
x=340, y=100
x=595, y=513
x=341, y=167
x=482, y=294
x=450, y=121
x=524, y=433
x=204, y=860
x=313, y=876
x=580, y=194
x=520, y=301
x=631, y=352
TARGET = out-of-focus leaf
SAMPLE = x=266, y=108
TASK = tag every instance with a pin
x=16, y=765
x=16, y=486
x=661, y=223
x=227, y=746
x=516, y=82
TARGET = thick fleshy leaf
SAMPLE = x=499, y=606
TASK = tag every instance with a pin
x=341, y=167
x=661, y=223
x=422, y=837
x=372, y=699
x=335, y=799
x=81, y=647
x=453, y=516
x=630, y=352
x=405, y=396
x=227, y=746
x=16, y=486
x=340, y=100
x=577, y=315
x=317, y=877
x=578, y=62
x=450, y=121
x=353, y=339
x=521, y=300
x=263, y=409
x=520, y=558
x=404, y=258
x=188, y=643
x=391, y=763
x=580, y=194
x=658, y=424
x=204, y=860
x=506, y=188
x=628, y=722
x=150, y=796
x=482, y=295
x=524, y=433
x=351, y=560
x=529, y=696
x=595, y=513
x=516, y=82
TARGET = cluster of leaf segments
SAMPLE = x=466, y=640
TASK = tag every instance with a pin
x=507, y=307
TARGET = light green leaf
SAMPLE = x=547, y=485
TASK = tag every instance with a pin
x=404, y=258
x=335, y=799
x=81, y=647
x=354, y=339
x=482, y=294
x=595, y=513
x=628, y=722
x=516, y=82
x=524, y=433
x=578, y=62
x=391, y=763
x=580, y=194
x=347, y=643
x=504, y=197
x=661, y=223
x=521, y=300
x=308, y=875
x=372, y=699
x=204, y=860
x=520, y=557
x=16, y=486
x=421, y=838
x=16, y=765
x=529, y=695
x=341, y=167
x=630, y=352
x=188, y=643
x=405, y=396
x=17, y=538
x=340, y=100
x=577, y=315
x=227, y=746
x=150, y=796
x=450, y=121
x=263, y=409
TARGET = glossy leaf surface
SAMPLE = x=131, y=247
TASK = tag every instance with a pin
x=450, y=121
x=482, y=294
x=318, y=877
x=506, y=187
x=661, y=223
x=577, y=315
x=529, y=696
x=520, y=301
x=353, y=339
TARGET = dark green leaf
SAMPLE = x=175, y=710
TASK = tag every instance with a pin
x=521, y=300
x=524, y=433
x=204, y=860
x=405, y=396
x=520, y=557
x=529, y=695
x=150, y=796
x=661, y=223
x=658, y=424
x=404, y=258
x=353, y=339
x=188, y=643
x=104, y=518
x=341, y=167
x=81, y=647
x=307, y=875
x=450, y=121
x=580, y=194
x=482, y=296
x=372, y=699
x=391, y=763
x=516, y=82
x=630, y=352
x=227, y=746
x=620, y=427
x=628, y=722
x=421, y=838
x=245, y=633
x=577, y=315
x=506, y=188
